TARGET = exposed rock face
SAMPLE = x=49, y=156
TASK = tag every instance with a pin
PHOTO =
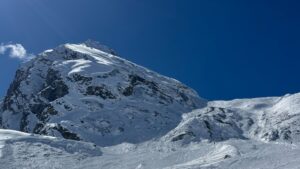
x=210, y=123
x=84, y=92
x=101, y=91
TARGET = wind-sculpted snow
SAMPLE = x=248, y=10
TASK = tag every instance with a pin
x=82, y=93
x=21, y=150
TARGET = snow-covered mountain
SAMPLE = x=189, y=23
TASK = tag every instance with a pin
x=85, y=92
x=100, y=111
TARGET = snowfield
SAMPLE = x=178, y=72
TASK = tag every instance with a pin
x=79, y=106
x=25, y=151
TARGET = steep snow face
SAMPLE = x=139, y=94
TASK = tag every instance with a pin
x=85, y=92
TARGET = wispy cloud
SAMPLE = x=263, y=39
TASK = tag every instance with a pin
x=15, y=51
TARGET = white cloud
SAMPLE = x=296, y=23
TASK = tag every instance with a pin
x=15, y=51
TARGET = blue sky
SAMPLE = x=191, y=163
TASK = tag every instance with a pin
x=223, y=49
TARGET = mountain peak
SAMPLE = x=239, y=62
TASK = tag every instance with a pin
x=99, y=46
x=83, y=92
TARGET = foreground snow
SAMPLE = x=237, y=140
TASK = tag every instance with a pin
x=20, y=150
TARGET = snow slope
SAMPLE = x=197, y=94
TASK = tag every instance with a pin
x=95, y=110
x=22, y=150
